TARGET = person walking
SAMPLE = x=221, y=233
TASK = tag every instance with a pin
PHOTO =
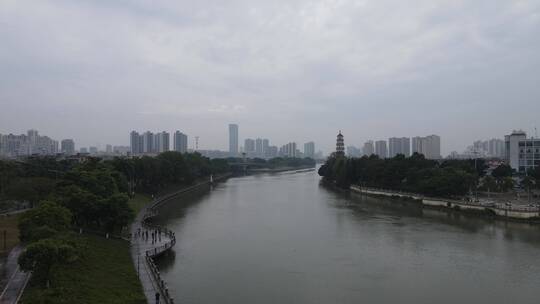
x=157, y=297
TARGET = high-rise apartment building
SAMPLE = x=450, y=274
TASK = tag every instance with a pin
x=309, y=149
x=136, y=143
x=288, y=150
x=14, y=145
x=33, y=141
x=67, y=146
x=369, y=148
x=27, y=144
x=429, y=146
x=233, y=139
x=148, y=142
x=496, y=148
x=266, y=144
x=272, y=151
x=161, y=142
x=259, y=147
x=433, y=144
x=180, y=141
x=249, y=146
x=399, y=145
x=381, y=149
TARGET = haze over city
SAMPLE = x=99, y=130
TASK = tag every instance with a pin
x=288, y=71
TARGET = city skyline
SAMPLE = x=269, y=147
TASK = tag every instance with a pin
x=260, y=147
x=359, y=144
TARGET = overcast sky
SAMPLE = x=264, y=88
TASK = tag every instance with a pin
x=282, y=69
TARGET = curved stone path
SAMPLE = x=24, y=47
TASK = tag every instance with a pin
x=143, y=248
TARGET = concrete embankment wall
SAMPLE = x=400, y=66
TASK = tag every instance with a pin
x=507, y=212
x=163, y=199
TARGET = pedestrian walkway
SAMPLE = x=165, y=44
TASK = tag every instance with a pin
x=147, y=242
x=17, y=279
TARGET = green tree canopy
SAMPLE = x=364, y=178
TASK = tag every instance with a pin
x=41, y=256
x=45, y=220
x=502, y=171
x=413, y=174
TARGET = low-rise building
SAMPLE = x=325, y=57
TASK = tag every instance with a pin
x=522, y=153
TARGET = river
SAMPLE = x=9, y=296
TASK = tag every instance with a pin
x=285, y=238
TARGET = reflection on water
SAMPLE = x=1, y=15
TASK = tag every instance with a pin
x=285, y=238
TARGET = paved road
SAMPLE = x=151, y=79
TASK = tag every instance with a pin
x=139, y=246
x=17, y=279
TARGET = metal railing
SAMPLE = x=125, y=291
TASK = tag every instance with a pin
x=156, y=251
x=151, y=212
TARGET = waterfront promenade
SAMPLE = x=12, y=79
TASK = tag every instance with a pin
x=509, y=211
x=149, y=241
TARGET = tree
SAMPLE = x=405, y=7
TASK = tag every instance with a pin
x=31, y=189
x=114, y=212
x=506, y=184
x=502, y=171
x=528, y=183
x=8, y=172
x=46, y=220
x=414, y=174
x=489, y=184
x=82, y=203
x=41, y=256
x=535, y=173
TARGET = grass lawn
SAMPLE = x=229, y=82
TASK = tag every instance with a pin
x=104, y=274
x=138, y=202
x=8, y=224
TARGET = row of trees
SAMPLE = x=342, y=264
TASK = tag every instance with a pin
x=500, y=180
x=150, y=174
x=96, y=192
x=420, y=175
x=93, y=191
x=413, y=174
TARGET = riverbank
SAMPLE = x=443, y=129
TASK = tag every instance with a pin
x=143, y=251
x=282, y=169
x=496, y=210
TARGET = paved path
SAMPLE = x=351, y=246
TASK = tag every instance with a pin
x=14, y=212
x=139, y=246
x=146, y=269
x=17, y=279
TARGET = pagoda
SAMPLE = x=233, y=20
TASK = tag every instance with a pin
x=340, y=145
